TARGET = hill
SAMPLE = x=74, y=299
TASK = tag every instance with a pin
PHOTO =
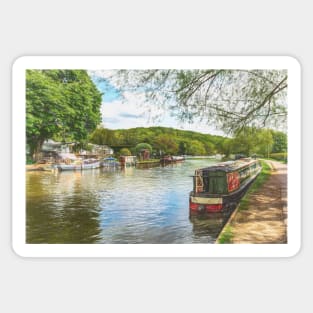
x=162, y=139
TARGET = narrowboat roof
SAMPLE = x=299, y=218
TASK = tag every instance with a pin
x=229, y=166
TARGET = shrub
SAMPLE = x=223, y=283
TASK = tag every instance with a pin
x=125, y=151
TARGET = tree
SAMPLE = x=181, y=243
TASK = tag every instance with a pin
x=264, y=142
x=229, y=99
x=103, y=136
x=209, y=148
x=61, y=105
x=125, y=151
x=251, y=141
x=142, y=146
x=43, y=104
x=279, y=142
x=227, y=146
x=244, y=141
x=165, y=144
x=195, y=147
x=182, y=147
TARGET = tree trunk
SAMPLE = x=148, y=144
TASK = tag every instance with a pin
x=36, y=150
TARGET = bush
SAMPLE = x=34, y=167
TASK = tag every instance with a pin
x=29, y=160
x=125, y=151
x=142, y=146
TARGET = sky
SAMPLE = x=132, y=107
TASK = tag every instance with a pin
x=128, y=110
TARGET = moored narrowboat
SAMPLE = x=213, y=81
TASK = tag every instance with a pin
x=168, y=159
x=220, y=187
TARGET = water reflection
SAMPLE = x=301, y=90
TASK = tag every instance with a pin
x=118, y=206
x=57, y=211
x=211, y=223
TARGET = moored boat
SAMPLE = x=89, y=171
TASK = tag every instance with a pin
x=221, y=186
x=91, y=164
x=110, y=162
x=78, y=165
x=178, y=158
x=168, y=159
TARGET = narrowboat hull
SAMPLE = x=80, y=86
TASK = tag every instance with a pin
x=171, y=159
x=204, y=202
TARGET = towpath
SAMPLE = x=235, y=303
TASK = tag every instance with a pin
x=265, y=220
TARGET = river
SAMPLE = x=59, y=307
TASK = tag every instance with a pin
x=117, y=206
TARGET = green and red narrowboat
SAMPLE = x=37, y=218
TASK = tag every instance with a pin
x=221, y=186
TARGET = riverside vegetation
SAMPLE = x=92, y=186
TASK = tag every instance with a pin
x=64, y=105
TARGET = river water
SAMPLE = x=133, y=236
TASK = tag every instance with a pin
x=117, y=206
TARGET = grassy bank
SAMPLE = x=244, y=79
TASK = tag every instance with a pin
x=285, y=161
x=258, y=183
x=226, y=235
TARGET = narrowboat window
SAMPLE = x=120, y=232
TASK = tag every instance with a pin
x=206, y=183
x=214, y=184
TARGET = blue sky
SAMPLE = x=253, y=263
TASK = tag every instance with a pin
x=127, y=110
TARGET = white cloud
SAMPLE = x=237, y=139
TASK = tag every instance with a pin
x=127, y=113
x=133, y=112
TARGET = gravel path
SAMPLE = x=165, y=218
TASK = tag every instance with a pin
x=265, y=221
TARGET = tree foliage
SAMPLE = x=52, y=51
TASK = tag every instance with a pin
x=141, y=146
x=257, y=141
x=125, y=151
x=60, y=104
x=174, y=141
x=279, y=142
x=161, y=139
x=103, y=136
x=229, y=99
x=196, y=147
x=166, y=144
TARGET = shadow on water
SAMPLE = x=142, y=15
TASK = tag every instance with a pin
x=208, y=226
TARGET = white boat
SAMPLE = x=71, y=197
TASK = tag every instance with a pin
x=78, y=165
x=178, y=158
x=91, y=163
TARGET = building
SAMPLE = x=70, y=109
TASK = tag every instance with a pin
x=52, y=150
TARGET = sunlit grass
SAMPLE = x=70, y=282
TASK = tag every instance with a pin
x=226, y=236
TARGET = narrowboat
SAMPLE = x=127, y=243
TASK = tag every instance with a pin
x=220, y=187
x=168, y=159
x=178, y=158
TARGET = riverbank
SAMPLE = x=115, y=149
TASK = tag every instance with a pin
x=148, y=163
x=38, y=167
x=263, y=216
